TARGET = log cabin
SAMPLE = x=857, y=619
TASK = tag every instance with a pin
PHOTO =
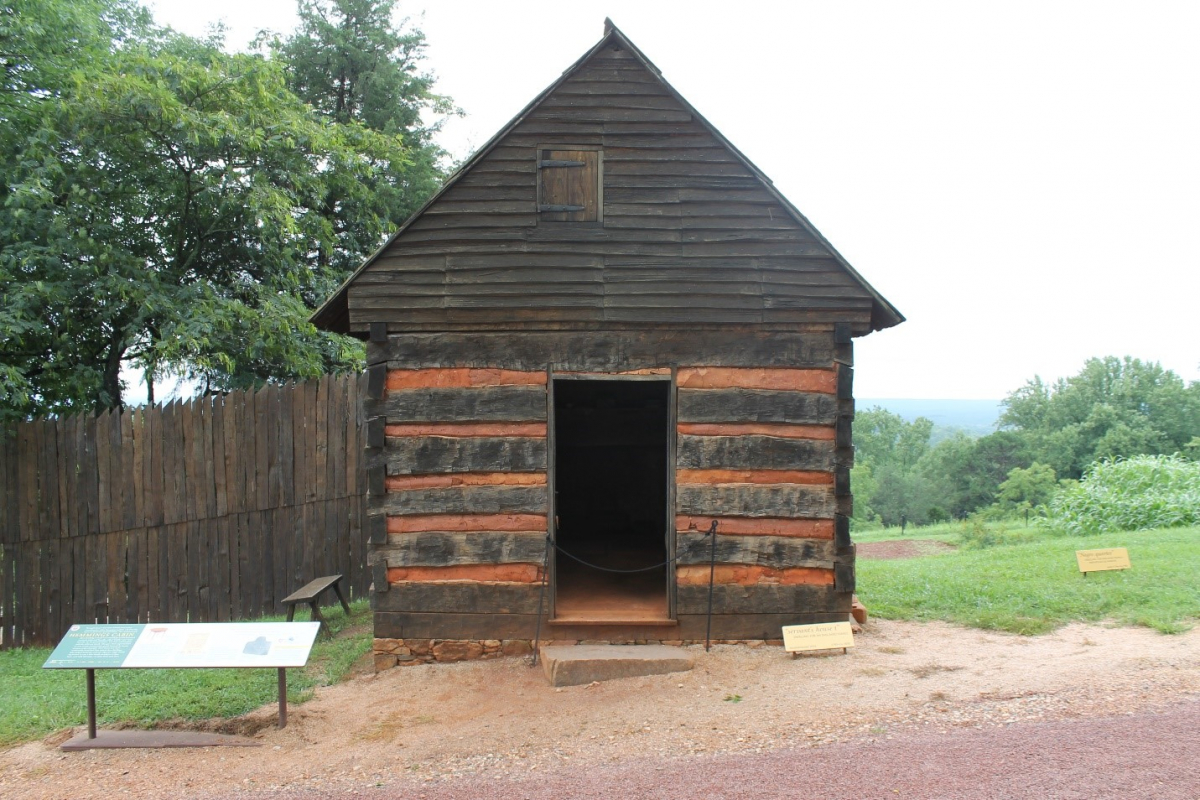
x=605, y=333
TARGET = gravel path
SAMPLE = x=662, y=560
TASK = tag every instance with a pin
x=939, y=710
x=1137, y=756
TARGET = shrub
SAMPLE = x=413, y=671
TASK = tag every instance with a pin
x=976, y=534
x=1131, y=494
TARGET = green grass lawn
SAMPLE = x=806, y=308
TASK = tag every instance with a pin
x=1033, y=585
x=35, y=702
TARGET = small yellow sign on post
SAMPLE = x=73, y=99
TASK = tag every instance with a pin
x=822, y=636
x=1099, y=560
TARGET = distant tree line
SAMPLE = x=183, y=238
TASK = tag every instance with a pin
x=1048, y=434
x=173, y=207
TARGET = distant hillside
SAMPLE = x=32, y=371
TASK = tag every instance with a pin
x=973, y=417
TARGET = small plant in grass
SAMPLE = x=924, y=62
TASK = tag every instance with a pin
x=978, y=534
x=1131, y=494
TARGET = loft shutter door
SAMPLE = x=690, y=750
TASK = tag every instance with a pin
x=569, y=185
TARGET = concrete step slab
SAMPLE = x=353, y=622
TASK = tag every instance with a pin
x=584, y=663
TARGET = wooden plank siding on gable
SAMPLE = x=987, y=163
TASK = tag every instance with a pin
x=688, y=234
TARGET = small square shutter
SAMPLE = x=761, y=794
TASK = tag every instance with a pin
x=569, y=185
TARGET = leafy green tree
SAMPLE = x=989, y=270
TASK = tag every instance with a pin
x=167, y=204
x=353, y=64
x=1112, y=408
x=966, y=473
x=881, y=437
x=902, y=496
x=886, y=482
x=1027, y=489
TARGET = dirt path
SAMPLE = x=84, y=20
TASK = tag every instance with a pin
x=434, y=728
x=1142, y=755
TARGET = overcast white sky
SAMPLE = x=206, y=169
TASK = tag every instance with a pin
x=1021, y=179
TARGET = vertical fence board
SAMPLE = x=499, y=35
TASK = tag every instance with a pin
x=287, y=472
x=221, y=571
x=128, y=515
x=170, y=474
x=259, y=466
x=271, y=423
x=209, y=456
x=233, y=445
x=134, y=605
x=151, y=594
x=218, y=456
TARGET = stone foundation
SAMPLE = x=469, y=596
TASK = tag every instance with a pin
x=390, y=653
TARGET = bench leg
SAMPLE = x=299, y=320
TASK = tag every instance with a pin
x=291, y=611
x=345, y=606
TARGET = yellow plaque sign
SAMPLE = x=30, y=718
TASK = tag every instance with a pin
x=1098, y=560
x=822, y=636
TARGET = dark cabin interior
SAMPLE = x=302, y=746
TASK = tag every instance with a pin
x=611, y=498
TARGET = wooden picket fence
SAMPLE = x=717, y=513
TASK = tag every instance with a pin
x=213, y=509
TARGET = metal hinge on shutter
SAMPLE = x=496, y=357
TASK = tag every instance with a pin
x=556, y=163
x=545, y=207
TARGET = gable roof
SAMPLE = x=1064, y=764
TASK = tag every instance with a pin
x=334, y=313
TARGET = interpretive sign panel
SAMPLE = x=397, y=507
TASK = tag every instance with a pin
x=194, y=644
x=822, y=636
x=1100, y=560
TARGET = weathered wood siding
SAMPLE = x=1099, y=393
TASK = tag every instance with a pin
x=688, y=233
x=459, y=481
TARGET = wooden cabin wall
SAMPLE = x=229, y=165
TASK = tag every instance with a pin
x=689, y=234
x=459, y=496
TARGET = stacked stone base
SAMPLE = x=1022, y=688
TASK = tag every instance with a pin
x=390, y=653
x=409, y=652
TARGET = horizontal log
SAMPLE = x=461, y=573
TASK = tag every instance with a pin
x=447, y=378
x=763, y=526
x=763, y=599
x=783, y=430
x=448, y=549
x=749, y=500
x=796, y=380
x=461, y=598
x=755, y=405
x=710, y=476
x=401, y=625
x=753, y=452
x=692, y=627
x=408, y=482
x=509, y=573
x=470, y=429
x=486, y=404
x=779, y=552
x=423, y=455
x=610, y=351
x=748, y=575
x=467, y=522
x=467, y=500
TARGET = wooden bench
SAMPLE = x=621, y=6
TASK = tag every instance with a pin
x=311, y=592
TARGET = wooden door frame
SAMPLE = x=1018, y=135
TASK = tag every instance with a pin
x=552, y=469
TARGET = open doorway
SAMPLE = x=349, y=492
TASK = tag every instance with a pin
x=611, y=441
